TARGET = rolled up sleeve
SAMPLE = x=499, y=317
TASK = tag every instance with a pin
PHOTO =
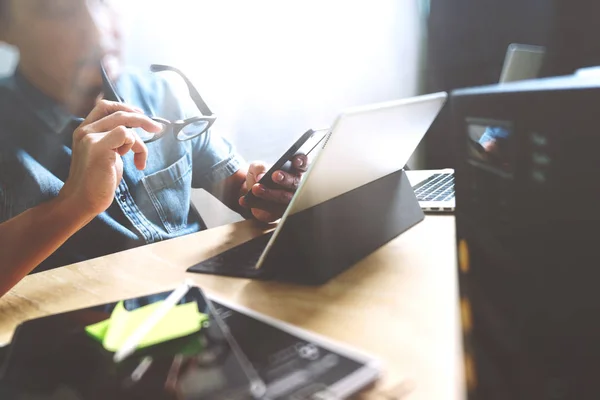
x=215, y=159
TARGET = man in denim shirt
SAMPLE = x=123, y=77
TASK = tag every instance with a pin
x=73, y=190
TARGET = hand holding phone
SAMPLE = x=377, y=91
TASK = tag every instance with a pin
x=309, y=141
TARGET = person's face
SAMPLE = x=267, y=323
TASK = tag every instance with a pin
x=61, y=44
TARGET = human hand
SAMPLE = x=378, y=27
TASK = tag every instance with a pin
x=493, y=144
x=491, y=147
x=271, y=202
x=96, y=165
x=496, y=153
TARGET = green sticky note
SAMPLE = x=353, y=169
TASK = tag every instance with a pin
x=98, y=331
x=181, y=320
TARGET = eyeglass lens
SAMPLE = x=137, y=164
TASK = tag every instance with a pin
x=192, y=130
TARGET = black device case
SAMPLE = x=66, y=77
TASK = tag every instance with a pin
x=319, y=243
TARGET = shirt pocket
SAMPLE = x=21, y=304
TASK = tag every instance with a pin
x=170, y=192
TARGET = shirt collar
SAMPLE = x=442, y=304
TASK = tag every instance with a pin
x=51, y=113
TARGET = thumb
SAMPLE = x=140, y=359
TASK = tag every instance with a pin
x=256, y=171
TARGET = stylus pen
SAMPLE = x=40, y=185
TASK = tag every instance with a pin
x=133, y=341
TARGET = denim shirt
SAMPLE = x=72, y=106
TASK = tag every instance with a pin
x=149, y=205
x=495, y=133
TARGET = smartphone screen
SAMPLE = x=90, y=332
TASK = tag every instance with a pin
x=52, y=356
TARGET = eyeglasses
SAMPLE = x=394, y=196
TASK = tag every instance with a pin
x=183, y=130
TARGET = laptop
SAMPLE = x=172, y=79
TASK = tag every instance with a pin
x=522, y=61
x=368, y=144
x=435, y=188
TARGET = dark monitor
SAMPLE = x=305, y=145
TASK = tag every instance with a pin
x=573, y=37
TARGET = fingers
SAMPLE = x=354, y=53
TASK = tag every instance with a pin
x=265, y=216
x=286, y=180
x=124, y=118
x=108, y=115
x=140, y=150
x=140, y=158
x=104, y=108
x=490, y=146
x=291, y=180
x=123, y=140
x=264, y=210
x=300, y=162
x=110, y=120
x=268, y=204
x=276, y=196
x=256, y=171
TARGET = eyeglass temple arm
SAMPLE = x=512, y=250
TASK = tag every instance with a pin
x=110, y=93
x=192, y=90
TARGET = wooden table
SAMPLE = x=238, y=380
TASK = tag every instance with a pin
x=399, y=304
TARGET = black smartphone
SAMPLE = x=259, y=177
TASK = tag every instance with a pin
x=54, y=356
x=309, y=141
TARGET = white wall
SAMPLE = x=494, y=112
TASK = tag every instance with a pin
x=270, y=69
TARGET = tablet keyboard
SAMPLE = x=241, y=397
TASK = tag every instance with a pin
x=239, y=261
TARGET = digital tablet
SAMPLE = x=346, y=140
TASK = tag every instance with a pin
x=54, y=357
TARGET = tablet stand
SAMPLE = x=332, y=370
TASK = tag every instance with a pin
x=319, y=243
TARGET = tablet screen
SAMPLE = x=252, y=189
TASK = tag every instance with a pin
x=293, y=363
x=54, y=357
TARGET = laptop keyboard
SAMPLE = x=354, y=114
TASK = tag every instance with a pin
x=438, y=187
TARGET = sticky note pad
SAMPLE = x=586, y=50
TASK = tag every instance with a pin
x=98, y=330
x=181, y=320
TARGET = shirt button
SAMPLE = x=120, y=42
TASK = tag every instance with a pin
x=123, y=198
